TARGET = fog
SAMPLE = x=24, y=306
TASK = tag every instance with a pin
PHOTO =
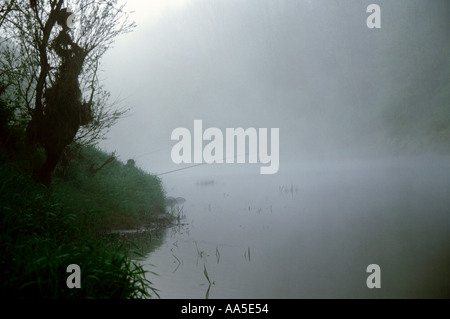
x=311, y=68
x=363, y=118
x=310, y=232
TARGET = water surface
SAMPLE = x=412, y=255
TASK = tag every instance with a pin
x=308, y=232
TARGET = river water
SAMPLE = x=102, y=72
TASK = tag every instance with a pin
x=309, y=231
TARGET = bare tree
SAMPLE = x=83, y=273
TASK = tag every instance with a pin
x=5, y=8
x=52, y=62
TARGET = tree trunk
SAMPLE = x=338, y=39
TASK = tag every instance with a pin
x=43, y=174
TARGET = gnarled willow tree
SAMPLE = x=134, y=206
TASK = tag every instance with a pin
x=51, y=50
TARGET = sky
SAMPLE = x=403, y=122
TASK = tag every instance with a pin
x=310, y=68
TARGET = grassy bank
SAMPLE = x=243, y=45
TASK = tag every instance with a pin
x=42, y=230
x=121, y=195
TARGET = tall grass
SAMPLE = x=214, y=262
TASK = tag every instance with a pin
x=123, y=196
x=43, y=231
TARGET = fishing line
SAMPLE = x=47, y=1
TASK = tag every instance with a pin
x=180, y=169
x=192, y=166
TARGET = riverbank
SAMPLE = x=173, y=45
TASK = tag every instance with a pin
x=42, y=231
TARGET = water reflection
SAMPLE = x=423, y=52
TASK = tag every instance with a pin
x=310, y=233
x=139, y=242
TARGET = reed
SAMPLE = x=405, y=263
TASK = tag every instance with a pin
x=41, y=234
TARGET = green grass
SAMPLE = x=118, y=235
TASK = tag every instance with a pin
x=123, y=196
x=42, y=231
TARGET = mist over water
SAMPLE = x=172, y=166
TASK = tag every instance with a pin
x=310, y=232
x=313, y=69
x=364, y=129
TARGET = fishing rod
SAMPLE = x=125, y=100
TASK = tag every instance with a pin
x=192, y=166
x=180, y=169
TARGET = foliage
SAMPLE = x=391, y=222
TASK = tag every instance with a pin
x=124, y=194
x=40, y=238
x=5, y=9
x=28, y=32
x=50, y=69
x=42, y=232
